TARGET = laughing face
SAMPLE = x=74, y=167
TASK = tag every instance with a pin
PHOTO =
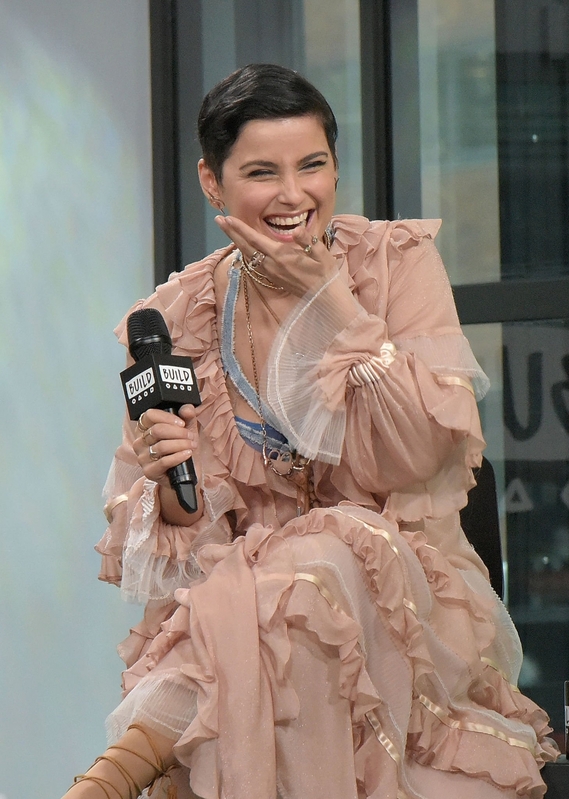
x=279, y=176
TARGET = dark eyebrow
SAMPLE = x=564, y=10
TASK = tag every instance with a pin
x=271, y=165
x=312, y=156
x=268, y=164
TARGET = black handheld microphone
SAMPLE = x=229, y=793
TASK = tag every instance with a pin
x=159, y=379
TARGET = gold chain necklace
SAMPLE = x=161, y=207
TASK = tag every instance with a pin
x=249, y=268
x=295, y=466
x=265, y=303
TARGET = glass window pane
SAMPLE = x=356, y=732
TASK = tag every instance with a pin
x=533, y=107
x=526, y=424
x=445, y=154
x=336, y=72
x=481, y=132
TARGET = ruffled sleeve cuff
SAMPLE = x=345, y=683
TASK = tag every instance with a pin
x=304, y=395
x=448, y=356
x=156, y=558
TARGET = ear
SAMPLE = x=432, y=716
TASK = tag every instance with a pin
x=208, y=182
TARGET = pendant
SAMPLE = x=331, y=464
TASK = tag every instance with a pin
x=281, y=463
x=295, y=468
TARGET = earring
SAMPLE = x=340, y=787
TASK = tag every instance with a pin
x=216, y=202
x=336, y=184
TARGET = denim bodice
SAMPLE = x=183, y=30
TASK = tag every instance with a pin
x=251, y=432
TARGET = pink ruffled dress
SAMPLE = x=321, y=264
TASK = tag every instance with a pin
x=357, y=650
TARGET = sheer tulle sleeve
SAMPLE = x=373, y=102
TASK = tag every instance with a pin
x=388, y=398
x=143, y=554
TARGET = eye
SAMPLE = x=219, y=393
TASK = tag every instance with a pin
x=317, y=164
x=260, y=173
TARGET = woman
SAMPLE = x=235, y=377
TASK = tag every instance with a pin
x=332, y=632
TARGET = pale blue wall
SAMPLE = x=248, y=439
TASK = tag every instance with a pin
x=75, y=252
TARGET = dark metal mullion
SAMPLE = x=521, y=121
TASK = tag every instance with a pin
x=190, y=81
x=165, y=167
x=376, y=109
x=513, y=301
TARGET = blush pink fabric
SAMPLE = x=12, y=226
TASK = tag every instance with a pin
x=356, y=651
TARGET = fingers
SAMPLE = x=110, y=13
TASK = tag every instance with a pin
x=166, y=441
x=187, y=413
x=246, y=238
x=155, y=415
x=311, y=245
x=160, y=457
x=250, y=241
x=300, y=266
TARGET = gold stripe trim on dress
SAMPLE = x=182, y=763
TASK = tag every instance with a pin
x=488, y=662
x=470, y=726
x=453, y=380
x=311, y=578
x=411, y=605
x=387, y=744
x=389, y=538
x=373, y=530
x=112, y=504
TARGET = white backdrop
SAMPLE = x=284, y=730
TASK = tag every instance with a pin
x=75, y=252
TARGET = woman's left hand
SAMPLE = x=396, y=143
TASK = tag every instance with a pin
x=301, y=266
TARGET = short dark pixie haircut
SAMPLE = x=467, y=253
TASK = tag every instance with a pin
x=257, y=91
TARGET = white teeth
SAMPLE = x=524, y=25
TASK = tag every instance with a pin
x=288, y=221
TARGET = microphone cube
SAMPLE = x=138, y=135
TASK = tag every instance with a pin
x=159, y=381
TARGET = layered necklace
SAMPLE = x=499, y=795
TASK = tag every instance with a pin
x=250, y=269
x=290, y=465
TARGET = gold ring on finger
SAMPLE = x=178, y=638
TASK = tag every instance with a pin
x=140, y=424
x=308, y=249
x=154, y=456
x=257, y=258
x=146, y=436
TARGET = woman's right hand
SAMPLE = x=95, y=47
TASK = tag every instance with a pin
x=164, y=440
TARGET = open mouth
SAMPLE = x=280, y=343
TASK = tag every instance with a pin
x=288, y=224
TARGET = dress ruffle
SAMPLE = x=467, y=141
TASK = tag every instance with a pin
x=357, y=243
x=463, y=718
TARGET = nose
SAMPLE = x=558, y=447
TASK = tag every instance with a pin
x=291, y=191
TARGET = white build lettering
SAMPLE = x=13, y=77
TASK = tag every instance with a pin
x=142, y=382
x=176, y=374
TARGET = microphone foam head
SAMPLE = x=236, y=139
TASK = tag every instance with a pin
x=147, y=334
